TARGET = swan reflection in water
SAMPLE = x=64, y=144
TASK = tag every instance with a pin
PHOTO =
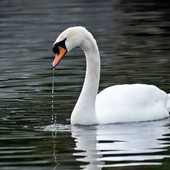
x=130, y=144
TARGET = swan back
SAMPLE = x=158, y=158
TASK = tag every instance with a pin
x=131, y=103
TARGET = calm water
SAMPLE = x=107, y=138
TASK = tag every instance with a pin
x=133, y=38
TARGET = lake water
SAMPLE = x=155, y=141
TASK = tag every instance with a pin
x=133, y=38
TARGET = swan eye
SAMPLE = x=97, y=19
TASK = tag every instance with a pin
x=59, y=44
x=56, y=49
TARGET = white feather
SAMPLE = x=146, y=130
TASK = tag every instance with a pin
x=119, y=103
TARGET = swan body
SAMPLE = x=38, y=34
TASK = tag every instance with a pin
x=115, y=104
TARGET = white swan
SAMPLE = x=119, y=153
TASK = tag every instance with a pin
x=119, y=103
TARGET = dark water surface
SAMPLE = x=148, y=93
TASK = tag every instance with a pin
x=133, y=38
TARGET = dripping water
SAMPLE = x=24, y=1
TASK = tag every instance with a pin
x=53, y=116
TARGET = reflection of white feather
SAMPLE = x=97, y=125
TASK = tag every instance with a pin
x=121, y=144
x=120, y=103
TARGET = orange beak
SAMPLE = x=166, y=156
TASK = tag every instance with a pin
x=58, y=57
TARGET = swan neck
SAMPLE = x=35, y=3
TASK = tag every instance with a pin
x=84, y=111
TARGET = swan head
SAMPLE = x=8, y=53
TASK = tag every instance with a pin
x=68, y=40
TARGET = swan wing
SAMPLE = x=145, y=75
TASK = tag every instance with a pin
x=131, y=103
